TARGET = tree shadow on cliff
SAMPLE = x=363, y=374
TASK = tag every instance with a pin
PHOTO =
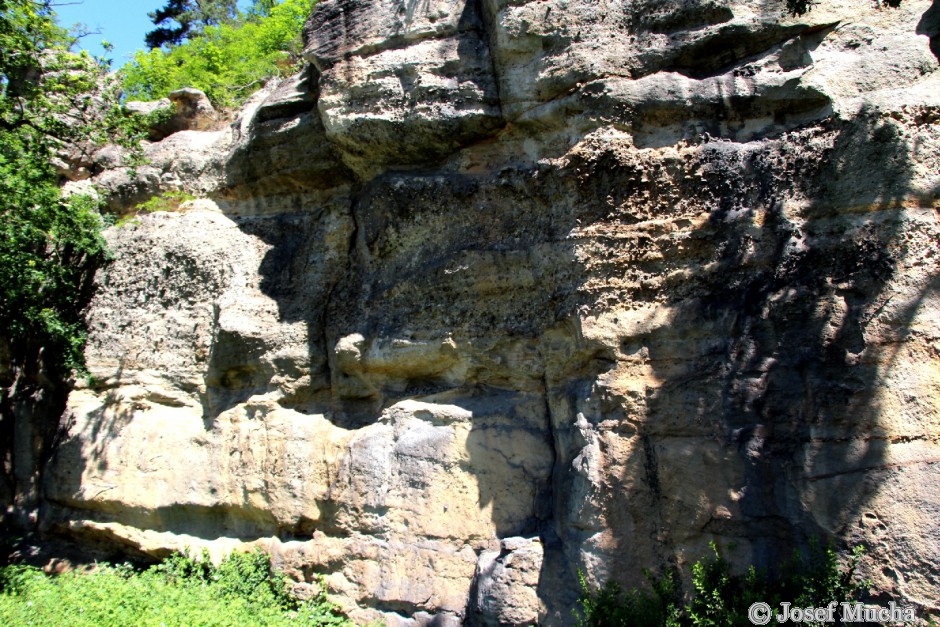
x=929, y=25
x=243, y=362
x=90, y=445
x=286, y=186
x=765, y=356
x=774, y=373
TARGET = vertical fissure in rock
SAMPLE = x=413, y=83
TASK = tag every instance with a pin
x=546, y=508
x=488, y=24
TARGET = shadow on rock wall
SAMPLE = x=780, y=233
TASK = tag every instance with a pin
x=765, y=426
x=930, y=25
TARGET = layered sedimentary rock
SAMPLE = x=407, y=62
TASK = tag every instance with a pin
x=496, y=291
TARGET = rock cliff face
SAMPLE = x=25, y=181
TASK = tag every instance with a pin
x=495, y=291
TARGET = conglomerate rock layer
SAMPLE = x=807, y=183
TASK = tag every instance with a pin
x=494, y=291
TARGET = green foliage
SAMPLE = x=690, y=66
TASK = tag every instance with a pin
x=50, y=100
x=16, y=580
x=167, y=201
x=46, y=251
x=227, y=61
x=249, y=575
x=183, y=569
x=611, y=606
x=182, y=590
x=720, y=599
x=814, y=578
x=191, y=16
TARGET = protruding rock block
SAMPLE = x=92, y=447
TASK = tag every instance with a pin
x=402, y=83
x=506, y=581
x=187, y=109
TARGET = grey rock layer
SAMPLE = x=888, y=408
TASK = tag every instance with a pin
x=493, y=292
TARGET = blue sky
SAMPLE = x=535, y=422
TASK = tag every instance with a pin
x=122, y=22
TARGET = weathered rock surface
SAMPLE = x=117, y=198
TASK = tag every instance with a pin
x=402, y=83
x=506, y=583
x=497, y=291
x=185, y=109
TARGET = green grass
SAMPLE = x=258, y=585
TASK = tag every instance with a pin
x=242, y=590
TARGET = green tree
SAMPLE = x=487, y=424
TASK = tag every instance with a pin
x=262, y=7
x=52, y=102
x=228, y=61
x=49, y=99
x=191, y=18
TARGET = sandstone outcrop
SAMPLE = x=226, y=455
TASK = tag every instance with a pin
x=496, y=291
x=185, y=109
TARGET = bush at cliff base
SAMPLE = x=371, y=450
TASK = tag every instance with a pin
x=812, y=578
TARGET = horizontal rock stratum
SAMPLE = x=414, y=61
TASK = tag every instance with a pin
x=495, y=291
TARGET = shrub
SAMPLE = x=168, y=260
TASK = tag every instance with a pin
x=720, y=599
x=614, y=607
x=228, y=62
